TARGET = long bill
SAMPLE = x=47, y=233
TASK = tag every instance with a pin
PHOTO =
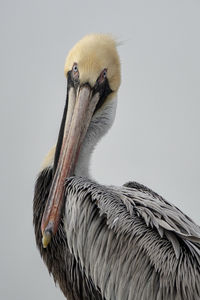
x=81, y=107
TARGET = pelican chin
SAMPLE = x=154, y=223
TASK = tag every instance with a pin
x=106, y=242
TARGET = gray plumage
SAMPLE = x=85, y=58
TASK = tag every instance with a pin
x=131, y=242
x=119, y=243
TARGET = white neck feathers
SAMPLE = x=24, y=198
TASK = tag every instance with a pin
x=100, y=124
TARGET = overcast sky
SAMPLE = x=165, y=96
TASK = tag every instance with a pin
x=155, y=139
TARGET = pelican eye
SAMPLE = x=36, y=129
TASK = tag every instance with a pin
x=102, y=76
x=75, y=72
x=75, y=68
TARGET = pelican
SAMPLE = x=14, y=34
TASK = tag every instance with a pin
x=107, y=242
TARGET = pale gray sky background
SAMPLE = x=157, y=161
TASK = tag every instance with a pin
x=155, y=139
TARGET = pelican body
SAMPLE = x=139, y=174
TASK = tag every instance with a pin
x=107, y=242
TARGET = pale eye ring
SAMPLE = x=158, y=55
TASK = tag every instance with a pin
x=75, y=68
x=75, y=72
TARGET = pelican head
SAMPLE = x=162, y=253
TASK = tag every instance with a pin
x=92, y=69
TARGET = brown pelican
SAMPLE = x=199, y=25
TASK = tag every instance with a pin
x=107, y=242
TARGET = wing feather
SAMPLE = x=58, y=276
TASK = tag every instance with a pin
x=131, y=242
